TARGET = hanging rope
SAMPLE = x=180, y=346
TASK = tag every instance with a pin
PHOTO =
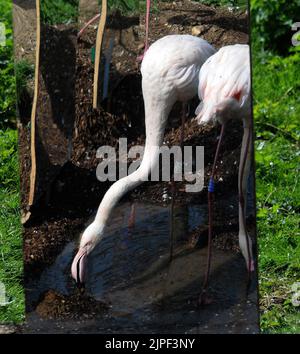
x=34, y=106
x=100, y=35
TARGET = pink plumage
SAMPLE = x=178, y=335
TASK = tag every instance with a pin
x=225, y=85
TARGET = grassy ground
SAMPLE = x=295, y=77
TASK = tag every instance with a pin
x=276, y=111
x=11, y=265
x=59, y=11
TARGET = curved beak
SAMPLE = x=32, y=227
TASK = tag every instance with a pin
x=78, y=268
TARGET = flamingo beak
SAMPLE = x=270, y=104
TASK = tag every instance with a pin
x=78, y=268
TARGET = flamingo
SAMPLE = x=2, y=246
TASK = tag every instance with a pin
x=170, y=73
x=225, y=93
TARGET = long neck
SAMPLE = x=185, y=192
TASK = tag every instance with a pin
x=155, y=126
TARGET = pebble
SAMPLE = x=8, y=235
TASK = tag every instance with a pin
x=7, y=329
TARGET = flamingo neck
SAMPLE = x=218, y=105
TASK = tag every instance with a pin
x=154, y=139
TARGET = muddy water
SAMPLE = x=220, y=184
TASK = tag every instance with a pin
x=131, y=271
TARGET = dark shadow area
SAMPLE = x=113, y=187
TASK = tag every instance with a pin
x=24, y=106
x=58, y=67
x=198, y=12
x=186, y=20
x=117, y=21
x=25, y=4
x=233, y=23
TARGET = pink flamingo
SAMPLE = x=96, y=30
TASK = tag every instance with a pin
x=225, y=92
x=170, y=73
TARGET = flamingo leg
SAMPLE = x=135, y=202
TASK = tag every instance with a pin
x=95, y=18
x=244, y=172
x=141, y=57
x=203, y=299
x=147, y=25
x=172, y=237
x=131, y=221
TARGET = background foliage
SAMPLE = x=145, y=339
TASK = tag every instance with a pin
x=272, y=21
x=276, y=84
x=7, y=80
x=59, y=11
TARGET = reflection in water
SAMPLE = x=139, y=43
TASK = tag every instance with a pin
x=124, y=253
x=130, y=269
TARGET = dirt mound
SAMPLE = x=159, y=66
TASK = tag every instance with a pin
x=55, y=305
x=217, y=25
x=24, y=22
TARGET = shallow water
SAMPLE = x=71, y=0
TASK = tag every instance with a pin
x=131, y=270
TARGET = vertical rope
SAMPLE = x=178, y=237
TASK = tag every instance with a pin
x=34, y=106
x=100, y=34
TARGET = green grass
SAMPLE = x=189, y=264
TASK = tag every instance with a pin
x=276, y=86
x=59, y=11
x=11, y=258
x=7, y=80
x=126, y=6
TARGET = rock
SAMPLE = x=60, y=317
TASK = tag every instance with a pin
x=141, y=46
x=198, y=30
x=25, y=216
x=7, y=329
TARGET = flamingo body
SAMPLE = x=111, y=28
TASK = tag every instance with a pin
x=170, y=73
x=225, y=93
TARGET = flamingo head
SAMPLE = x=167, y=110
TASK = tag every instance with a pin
x=89, y=240
x=221, y=112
